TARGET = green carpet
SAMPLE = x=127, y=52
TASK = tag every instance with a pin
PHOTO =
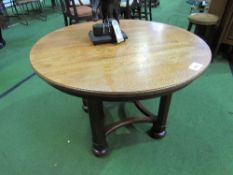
x=20, y=38
x=45, y=132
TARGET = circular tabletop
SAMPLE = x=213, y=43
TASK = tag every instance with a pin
x=156, y=58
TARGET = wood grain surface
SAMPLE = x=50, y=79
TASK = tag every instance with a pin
x=203, y=18
x=156, y=58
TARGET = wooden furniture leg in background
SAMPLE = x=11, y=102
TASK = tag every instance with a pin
x=85, y=104
x=2, y=41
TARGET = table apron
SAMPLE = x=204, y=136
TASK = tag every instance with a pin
x=140, y=96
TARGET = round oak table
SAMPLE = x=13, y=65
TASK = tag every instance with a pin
x=155, y=61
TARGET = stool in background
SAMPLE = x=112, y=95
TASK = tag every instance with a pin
x=204, y=25
x=146, y=11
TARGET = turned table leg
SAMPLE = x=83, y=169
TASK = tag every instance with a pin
x=159, y=126
x=96, y=114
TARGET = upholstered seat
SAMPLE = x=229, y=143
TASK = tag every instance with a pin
x=75, y=11
x=82, y=11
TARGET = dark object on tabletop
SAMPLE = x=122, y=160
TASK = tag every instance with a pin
x=108, y=31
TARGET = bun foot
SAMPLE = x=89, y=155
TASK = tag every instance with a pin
x=99, y=151
x=85, y=105
x=85, y=108
x=2, y=43
x=156, y=134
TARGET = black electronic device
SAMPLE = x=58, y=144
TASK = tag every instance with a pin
x=109, y=30
x=106, y=33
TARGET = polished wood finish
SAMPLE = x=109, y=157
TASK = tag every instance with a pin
x=203, y=19
x=156, y=60
x=204, y=25
x=156, y=56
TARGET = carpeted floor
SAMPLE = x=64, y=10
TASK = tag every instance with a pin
x=45, y=132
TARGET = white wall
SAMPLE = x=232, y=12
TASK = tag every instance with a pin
x=83, y=1
x=7, y=3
